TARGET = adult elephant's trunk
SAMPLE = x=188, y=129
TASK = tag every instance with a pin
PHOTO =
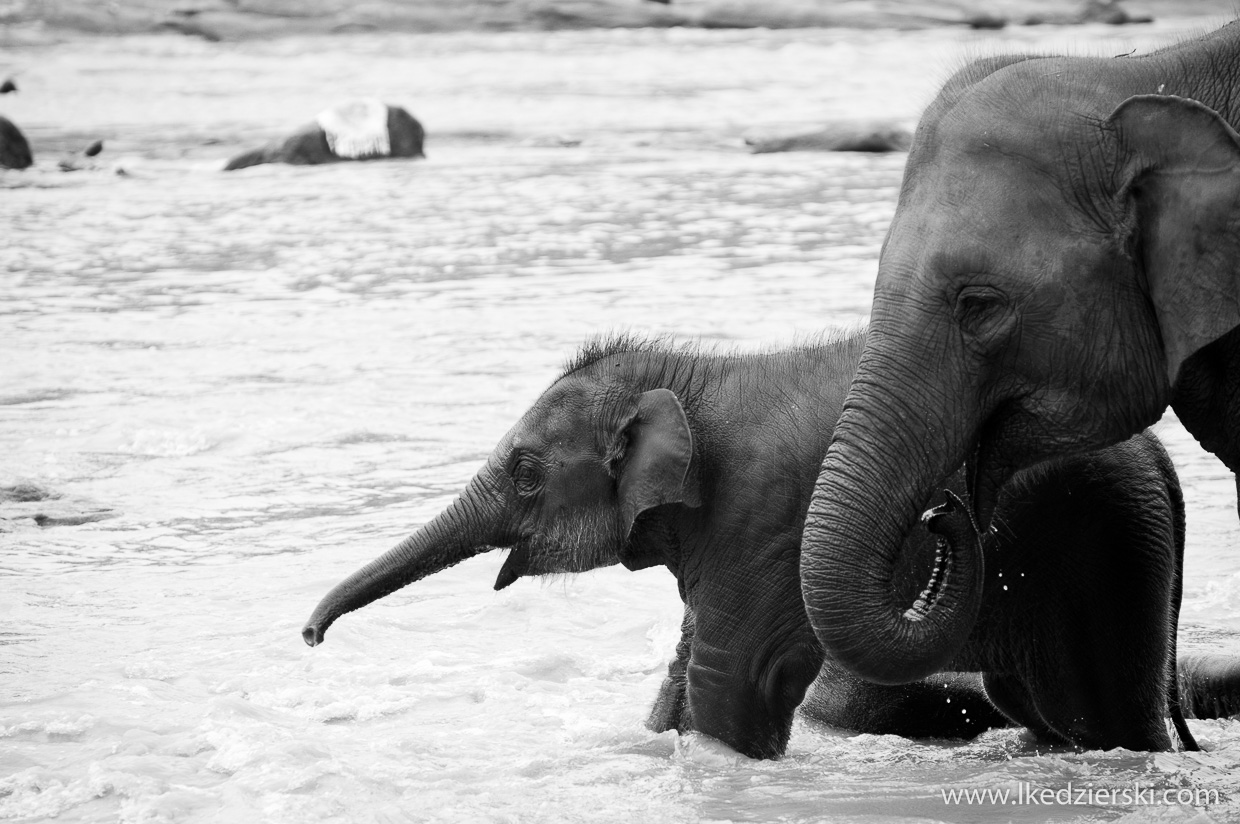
x=891, y=452
x=467, y=528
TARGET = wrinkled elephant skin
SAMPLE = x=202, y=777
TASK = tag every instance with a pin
x=1063, y=263
x=705, y=464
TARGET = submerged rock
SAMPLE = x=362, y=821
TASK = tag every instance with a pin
x=27, y=506
x=1091, y=11
x=83, y=160
x=844, y=136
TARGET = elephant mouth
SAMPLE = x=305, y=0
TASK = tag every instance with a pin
x=954, y=523
x=515, y=565
x=1001, y=449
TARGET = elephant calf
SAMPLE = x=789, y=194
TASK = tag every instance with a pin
x=359, y=130
x=705, y=464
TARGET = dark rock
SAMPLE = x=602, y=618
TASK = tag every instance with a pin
x=1109, y=11
x=837, y=137
x=26, y=492
x=312, y=145
x=14, y=150
x=190, y=27
x=983, y=20
x=83, y=160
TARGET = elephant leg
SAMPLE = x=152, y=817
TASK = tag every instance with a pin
x=1012, y=698
x=669, y=707
x=948, y=705
x=749, y=666
x=1106, y=686
x=1087, y=591
x=1210, y=685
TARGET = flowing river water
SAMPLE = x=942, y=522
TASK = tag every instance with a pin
x=271, y=376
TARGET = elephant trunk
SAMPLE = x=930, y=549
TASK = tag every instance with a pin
x=466, y=528
x=887, y=456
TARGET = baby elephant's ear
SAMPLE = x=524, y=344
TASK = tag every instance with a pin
x=657, y=457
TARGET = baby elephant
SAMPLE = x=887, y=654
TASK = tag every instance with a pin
x=643, y=455
x=359, y=130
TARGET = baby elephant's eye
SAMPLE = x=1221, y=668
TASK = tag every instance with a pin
x=526, y=476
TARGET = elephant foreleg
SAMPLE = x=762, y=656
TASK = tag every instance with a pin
x=669, y=707
x=1013, y=700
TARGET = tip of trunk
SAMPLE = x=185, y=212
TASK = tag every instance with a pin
x=312, y=635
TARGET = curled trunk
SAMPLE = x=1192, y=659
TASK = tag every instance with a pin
x=888, y=455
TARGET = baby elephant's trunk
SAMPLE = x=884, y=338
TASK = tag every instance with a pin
x=463, y=530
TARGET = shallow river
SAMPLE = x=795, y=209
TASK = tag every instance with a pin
x=273, y=375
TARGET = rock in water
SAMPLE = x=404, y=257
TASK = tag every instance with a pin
x=14, y=150
x=836, y=137
x=360, y=130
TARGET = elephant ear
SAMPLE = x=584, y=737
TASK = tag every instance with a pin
x=655, y=466
x=1183, y=172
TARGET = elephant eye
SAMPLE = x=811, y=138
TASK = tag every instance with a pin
x=527, y=476
x=977, y=307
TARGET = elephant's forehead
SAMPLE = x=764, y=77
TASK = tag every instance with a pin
x=1030, y=107
x=1034, y=119
x=561, y=414
x=988, y=200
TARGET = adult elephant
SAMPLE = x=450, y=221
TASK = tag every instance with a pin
x=645, y=456
x=1063, y=263
x=364, y=129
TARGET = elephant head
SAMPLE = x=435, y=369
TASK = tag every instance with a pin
x=562, y=490
x=1061, y=244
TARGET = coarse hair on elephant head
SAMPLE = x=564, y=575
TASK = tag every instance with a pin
x=562, y=490
x=1061, y=265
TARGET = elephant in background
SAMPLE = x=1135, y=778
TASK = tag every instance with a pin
x=1063, y=263
x=359, y=130
x=644, y=455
